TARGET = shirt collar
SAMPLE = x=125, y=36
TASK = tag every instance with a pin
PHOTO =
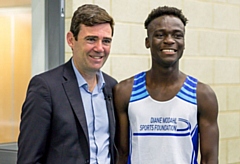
x=81, y=81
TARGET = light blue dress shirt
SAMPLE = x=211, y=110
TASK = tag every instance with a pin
x=97, y=118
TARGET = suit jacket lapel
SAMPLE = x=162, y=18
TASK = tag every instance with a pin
x=109, y=103
x=75, y=99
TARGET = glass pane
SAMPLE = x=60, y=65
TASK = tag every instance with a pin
x=15, y=68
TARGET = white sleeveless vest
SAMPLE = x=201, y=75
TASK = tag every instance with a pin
x=163, y=132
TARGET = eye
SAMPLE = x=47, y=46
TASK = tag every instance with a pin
x=91, y=39
x=178, y=35
x=107, y=41
x=159, y=35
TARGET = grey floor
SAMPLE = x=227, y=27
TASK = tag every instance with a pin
x=8, y=153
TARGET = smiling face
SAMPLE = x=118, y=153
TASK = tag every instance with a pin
x=92, y=47
x=166, y=40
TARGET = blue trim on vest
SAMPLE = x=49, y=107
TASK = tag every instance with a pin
x=139, y=90
x=187, y=92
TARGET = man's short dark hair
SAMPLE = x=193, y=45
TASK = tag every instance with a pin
x=89, y=15
x=165, y=10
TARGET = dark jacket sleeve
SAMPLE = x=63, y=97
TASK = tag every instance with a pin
x=35, y=123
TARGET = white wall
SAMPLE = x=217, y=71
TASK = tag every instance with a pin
x=212, y=52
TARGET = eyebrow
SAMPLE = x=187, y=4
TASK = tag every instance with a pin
x=93, y=36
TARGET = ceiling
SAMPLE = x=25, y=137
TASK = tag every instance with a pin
x=14, y=3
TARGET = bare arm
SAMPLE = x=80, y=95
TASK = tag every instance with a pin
x=208, y=126
x=122, y=92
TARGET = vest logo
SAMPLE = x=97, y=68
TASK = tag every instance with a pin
x=164, y=126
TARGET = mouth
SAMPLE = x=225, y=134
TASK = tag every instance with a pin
x=169, y=50
x=96, y=57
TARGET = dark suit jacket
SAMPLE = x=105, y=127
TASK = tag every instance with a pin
x=53, y=128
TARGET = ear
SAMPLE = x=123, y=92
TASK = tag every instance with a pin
x=70, y=39
x=147, y=44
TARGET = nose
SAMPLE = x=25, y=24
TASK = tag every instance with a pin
x=169, y=39
x=98, y=46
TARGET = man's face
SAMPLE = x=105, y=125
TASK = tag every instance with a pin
x=166, y=40
x=92, y=48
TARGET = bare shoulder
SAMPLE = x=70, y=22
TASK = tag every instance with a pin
x=206, y=98
x=122, y=92
x=124, y=86
x=204, y=90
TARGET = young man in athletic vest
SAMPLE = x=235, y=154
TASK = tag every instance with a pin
x=162, y=113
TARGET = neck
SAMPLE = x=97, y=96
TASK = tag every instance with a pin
x=89, y=76
x=163, y=76
x=91, y=80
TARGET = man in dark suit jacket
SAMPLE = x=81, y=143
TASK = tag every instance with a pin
x=67, y=116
